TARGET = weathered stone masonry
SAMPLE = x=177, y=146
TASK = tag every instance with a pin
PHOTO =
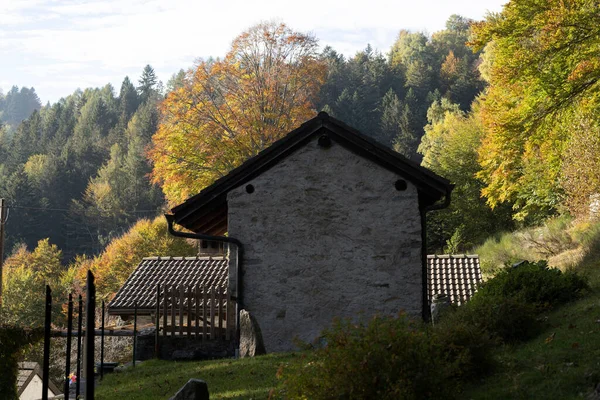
x=326, y=234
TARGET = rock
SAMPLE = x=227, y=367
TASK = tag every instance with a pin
x=439, y=304
x=187, y=354
x=251, y=341
x=194, y=389
x=150, y=331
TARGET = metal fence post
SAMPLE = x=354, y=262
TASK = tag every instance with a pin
x=78, y=370
x=102, y=344
x=90, y=327
x=46, y=362
x=68, y=350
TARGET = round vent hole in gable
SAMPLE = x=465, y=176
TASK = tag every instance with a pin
x=400, y=185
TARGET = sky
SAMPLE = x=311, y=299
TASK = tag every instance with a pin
x=57, y=46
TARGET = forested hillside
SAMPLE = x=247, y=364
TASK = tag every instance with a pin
x=76, y=171
x=506, y=108
x=17, y=105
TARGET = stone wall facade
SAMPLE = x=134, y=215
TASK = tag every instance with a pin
x=326, y=234
x=182, y=347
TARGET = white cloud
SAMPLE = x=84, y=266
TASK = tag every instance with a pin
x=113, y=36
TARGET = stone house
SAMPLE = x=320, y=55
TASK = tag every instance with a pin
x=324, y=223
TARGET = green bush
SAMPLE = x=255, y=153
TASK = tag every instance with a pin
x=388, y=358
x=536, y=284
x=507, y=319
x=13, y=340
x=507, y=306
x=467, y=346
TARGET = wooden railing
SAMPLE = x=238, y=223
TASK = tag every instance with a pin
x=205, y=313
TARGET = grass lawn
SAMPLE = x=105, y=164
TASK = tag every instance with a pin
x=249, y=378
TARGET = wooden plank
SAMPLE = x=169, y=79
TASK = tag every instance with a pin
x=165, y=309
x=221, y=310
x=227, y=313
x=212, y=313
x=204, y=305
x=156, y=332
x=189, y=311
x=196, y=310
x=173, y=294
x=97, y=332
x=181, y=308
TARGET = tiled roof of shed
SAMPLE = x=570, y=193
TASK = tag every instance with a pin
x=187, y=271
x=454, y=275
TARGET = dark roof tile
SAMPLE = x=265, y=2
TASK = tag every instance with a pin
x=454, y=275
x=140, y=287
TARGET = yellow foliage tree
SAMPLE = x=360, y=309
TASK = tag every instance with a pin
x=543, y=69
x=114, y=265
x=229, y=110
x=26, y=274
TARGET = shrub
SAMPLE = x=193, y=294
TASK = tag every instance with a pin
x=508, y=319
x=388, y=358
x=467, y=346
x=536, y=284
x=507, y=306
x=498, y=251
x=13, y=341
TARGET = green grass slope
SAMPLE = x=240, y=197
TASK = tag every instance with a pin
x=561, y=363
x=249, y=378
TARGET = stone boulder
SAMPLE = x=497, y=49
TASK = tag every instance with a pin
x=251, y=340
x=194, y=389
x=439, y=305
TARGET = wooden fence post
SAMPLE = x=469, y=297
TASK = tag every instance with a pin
x=227, y=315
x=181, y=308
x=165, y=310
x=212, y=313
x=173, y=305
x=197, y=310
x=204, y=305
x=134, y=331
x=157, y=319
x=220, y=311
x=189, y=298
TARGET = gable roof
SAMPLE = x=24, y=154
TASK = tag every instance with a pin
x=207, y=211
x=140, y=287
x=27, y=371
x=456, y=276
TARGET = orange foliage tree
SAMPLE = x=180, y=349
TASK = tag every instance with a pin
x=229, y=110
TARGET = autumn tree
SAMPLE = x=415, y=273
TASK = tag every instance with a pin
x=147, y=238
x=545, y=72
x=26, y=274
x=449, y=148
x=228, y=110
